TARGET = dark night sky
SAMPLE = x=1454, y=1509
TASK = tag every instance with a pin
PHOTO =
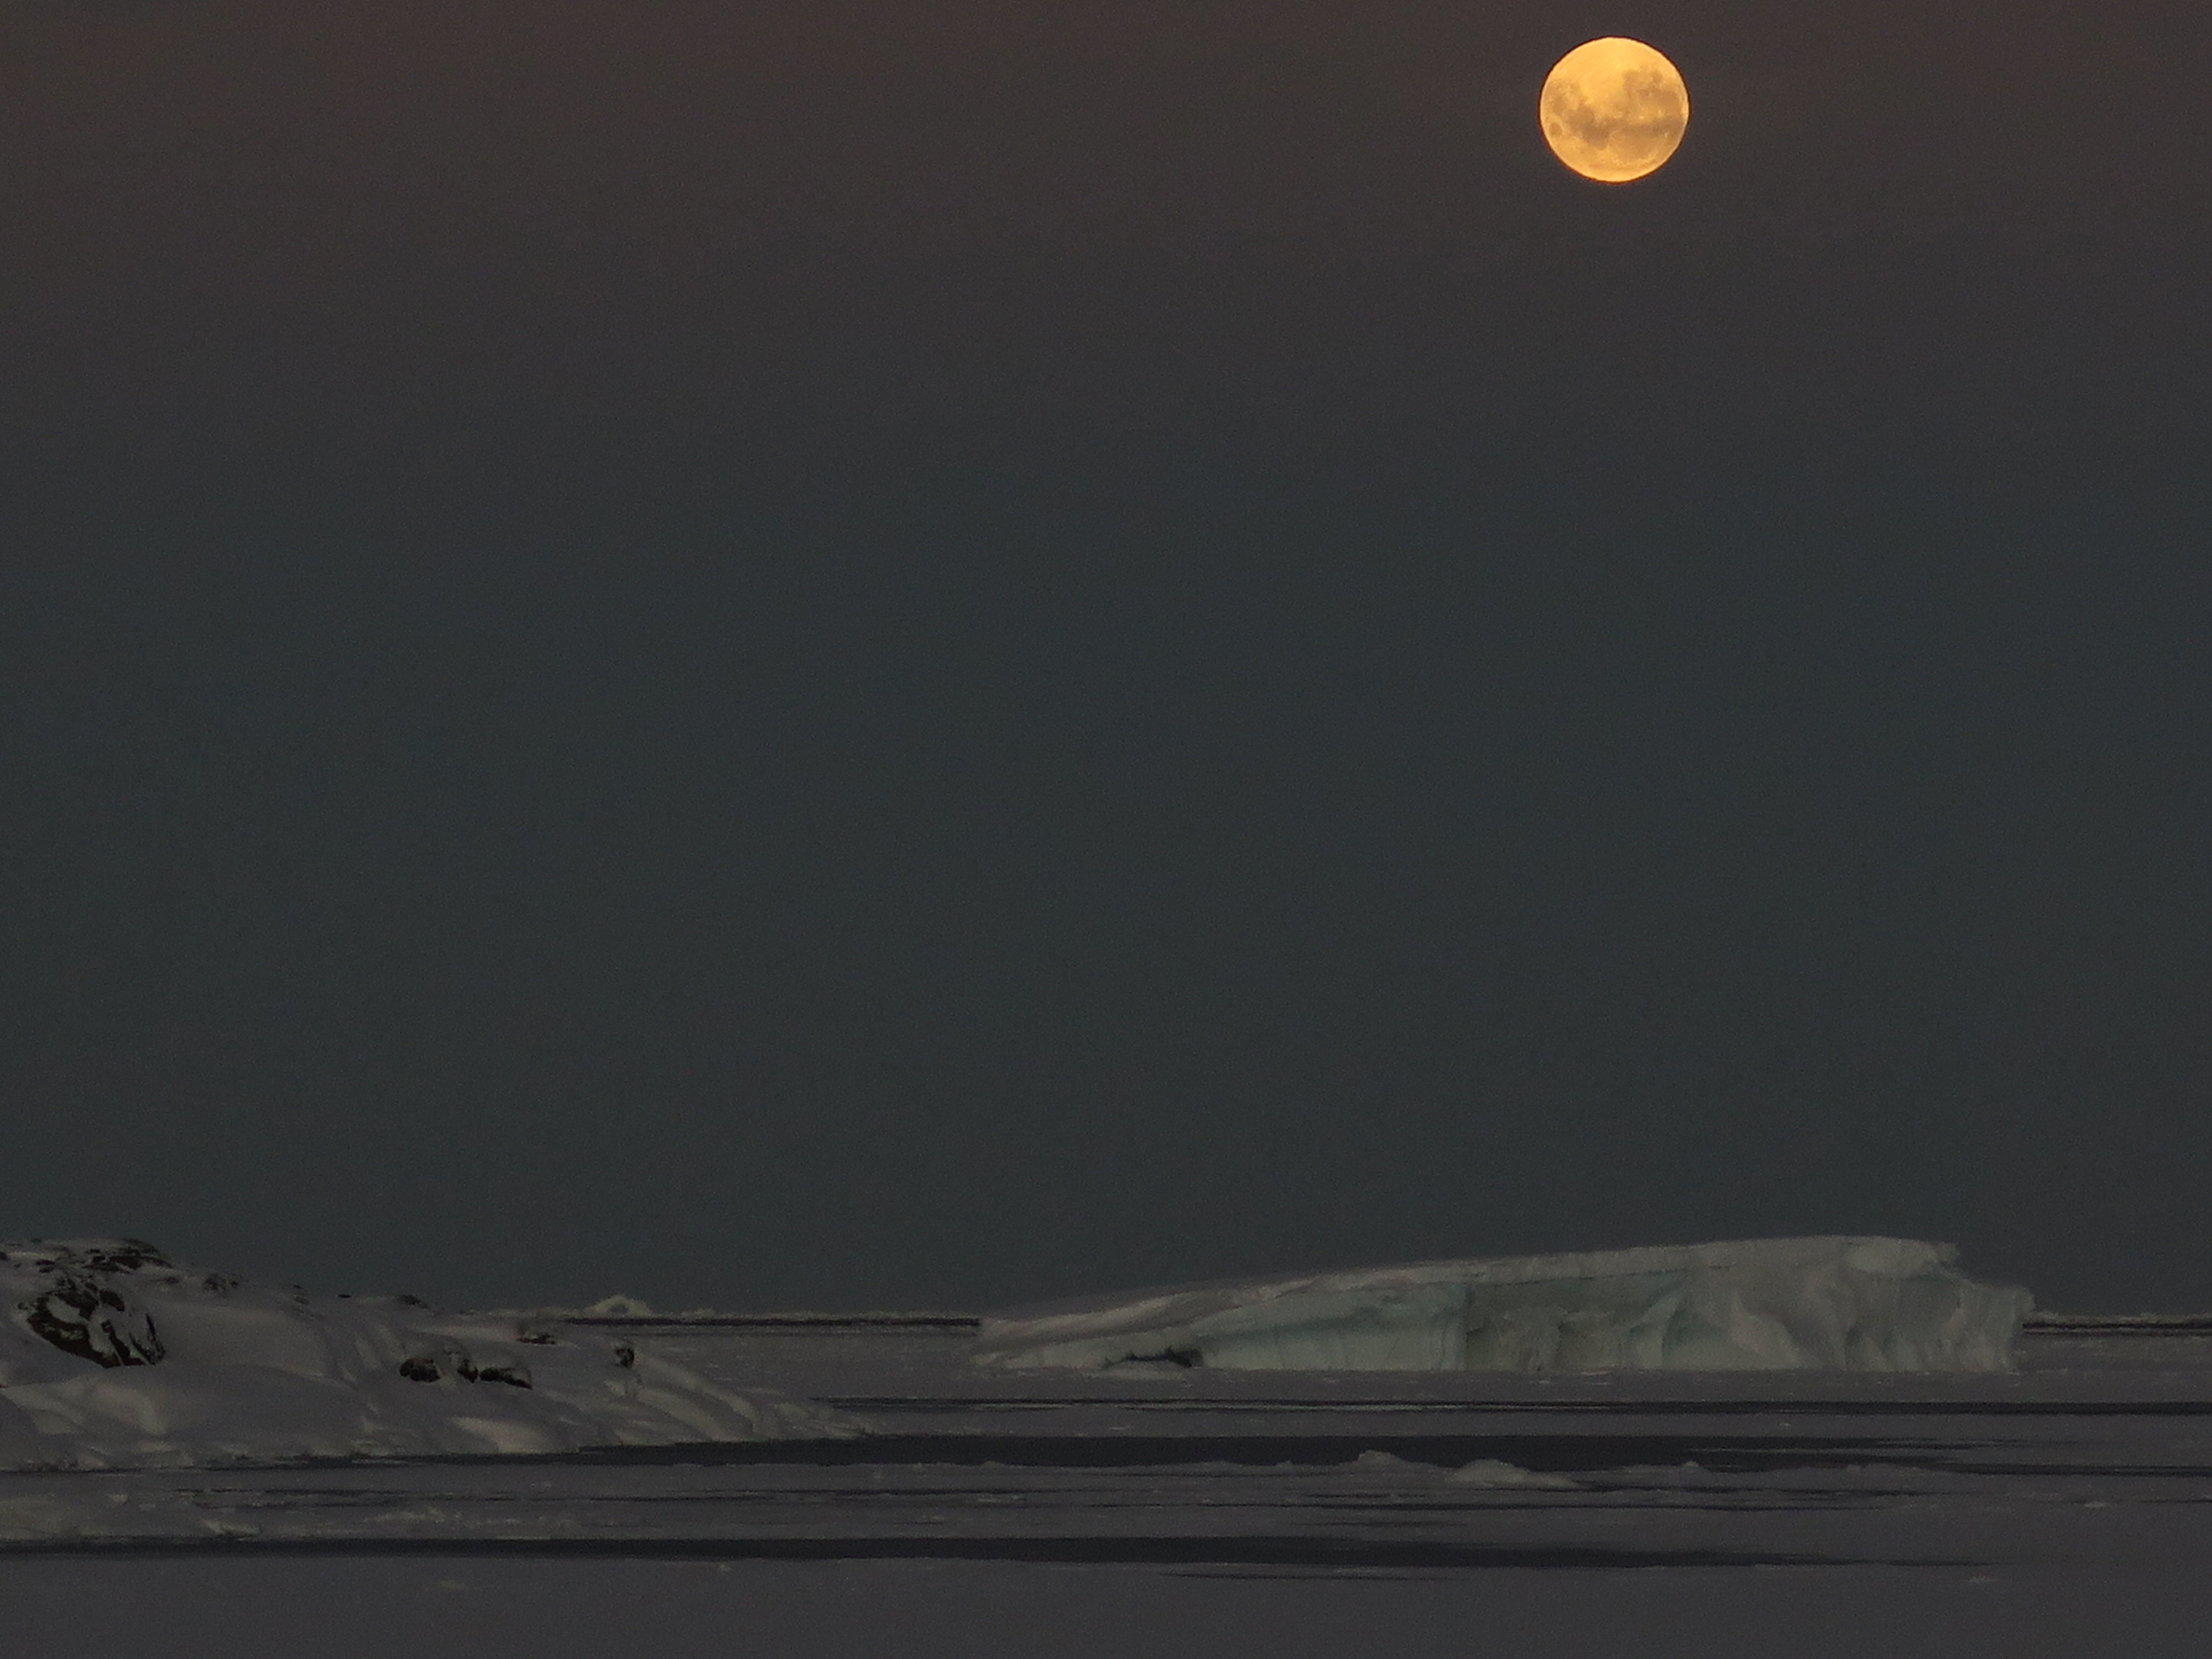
x=931, y=652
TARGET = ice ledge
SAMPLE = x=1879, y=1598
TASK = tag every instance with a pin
x=1825, y=1304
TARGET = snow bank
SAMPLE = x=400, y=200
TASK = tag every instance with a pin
x=115, y=1357
x=1853, y=1304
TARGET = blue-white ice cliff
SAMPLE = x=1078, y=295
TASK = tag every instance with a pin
x=1831, y=1303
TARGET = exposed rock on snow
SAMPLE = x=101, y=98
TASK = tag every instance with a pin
x=113, y=1356
x=1834, y=1304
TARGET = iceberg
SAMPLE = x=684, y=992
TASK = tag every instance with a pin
x=1826, y=1304
x=113, y=1356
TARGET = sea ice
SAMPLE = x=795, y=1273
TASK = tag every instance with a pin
x=116, y=1356
x=1831, y=1304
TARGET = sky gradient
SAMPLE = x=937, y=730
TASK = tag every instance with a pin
x=892, y=654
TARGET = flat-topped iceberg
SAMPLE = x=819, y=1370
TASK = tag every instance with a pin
x=113, y=1356
x=1830, y=1304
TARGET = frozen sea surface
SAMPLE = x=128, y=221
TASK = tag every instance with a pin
x=2064, y=1508
x=446, y=1607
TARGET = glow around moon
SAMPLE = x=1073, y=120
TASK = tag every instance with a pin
x=1613, y=109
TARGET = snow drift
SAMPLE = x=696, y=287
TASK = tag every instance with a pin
x=116, y=1356
x=1834, y=1304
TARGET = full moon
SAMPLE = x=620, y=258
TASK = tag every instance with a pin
x=1613, y=110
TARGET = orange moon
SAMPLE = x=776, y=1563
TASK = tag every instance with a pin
x=1613, y=109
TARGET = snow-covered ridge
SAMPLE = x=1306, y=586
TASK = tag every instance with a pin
x=113, y=1356
x=1825, y=1304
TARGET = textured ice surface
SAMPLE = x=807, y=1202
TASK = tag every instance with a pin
x=1855, y=1304
x=111, y=1356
